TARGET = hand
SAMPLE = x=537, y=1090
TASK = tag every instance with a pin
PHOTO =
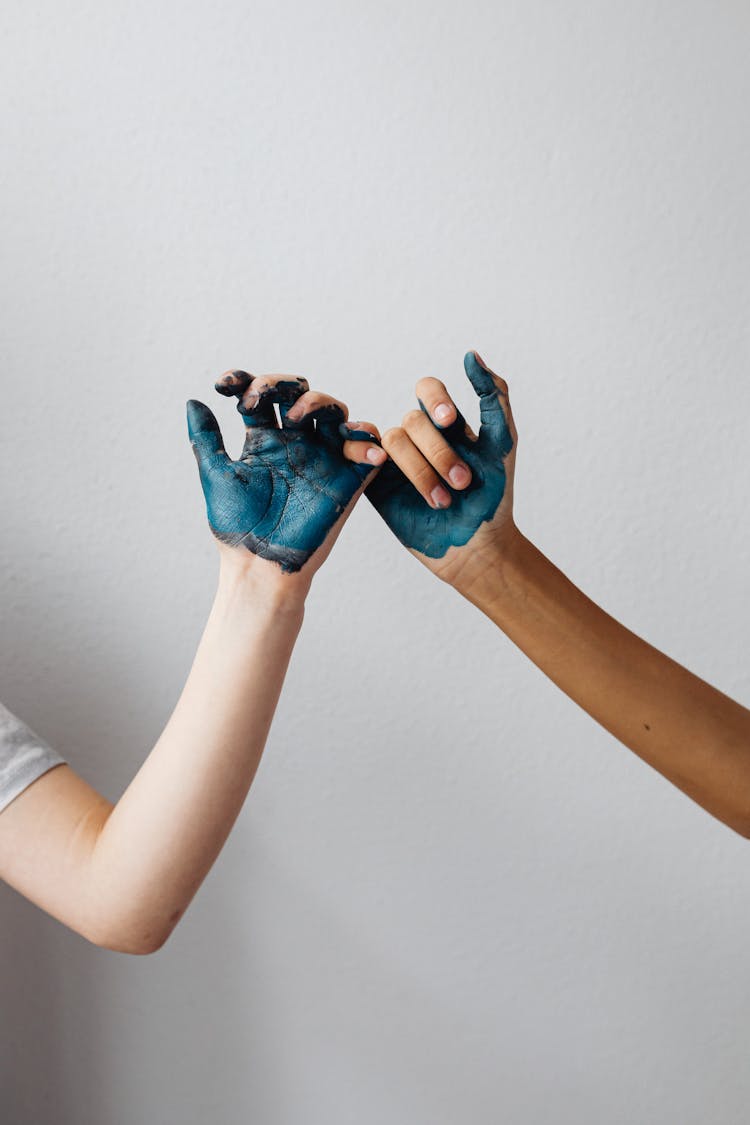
x=286, y=498
x=446, y=493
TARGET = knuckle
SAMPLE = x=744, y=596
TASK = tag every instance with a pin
x=393, y=437
x=412, y=419
x=295, y=381
x=443, y=459
x=424, y=478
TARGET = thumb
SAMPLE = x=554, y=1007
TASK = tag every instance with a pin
x=205, y=436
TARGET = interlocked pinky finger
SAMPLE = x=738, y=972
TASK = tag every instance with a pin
x=256, y=405
x=362, y=443
x=326, y=412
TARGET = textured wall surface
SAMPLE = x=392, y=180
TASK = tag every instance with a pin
x=451, y=897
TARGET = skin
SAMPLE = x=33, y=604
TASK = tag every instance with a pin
x=292, y=482
x=474, y=478
x=123, y=875
x=693, y=734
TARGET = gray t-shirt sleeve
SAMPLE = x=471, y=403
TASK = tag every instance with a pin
x=23, y=757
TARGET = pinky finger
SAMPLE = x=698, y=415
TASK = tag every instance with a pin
x=362, y=443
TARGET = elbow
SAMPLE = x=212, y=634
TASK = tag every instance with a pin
x=741, y=826
x=137, y=947
x=130, y=939
x=138, y=932
x=737, y=816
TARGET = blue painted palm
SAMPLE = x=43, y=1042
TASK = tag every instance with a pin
x=291, y=483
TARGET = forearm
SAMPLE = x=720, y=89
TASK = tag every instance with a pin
x=123, y=875
x=162, y=837
x=694, y=735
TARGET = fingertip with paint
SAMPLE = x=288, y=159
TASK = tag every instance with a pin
x=233, y=383
x=195, y=412
x=473, y=363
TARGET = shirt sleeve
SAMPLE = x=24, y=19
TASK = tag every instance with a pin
x=23, y=757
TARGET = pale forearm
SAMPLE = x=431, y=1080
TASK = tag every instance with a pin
x=123, y=875
x=162, y=837
x=693, y=734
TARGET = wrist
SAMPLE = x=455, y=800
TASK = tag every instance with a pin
x=258, y=584
x=494, y=580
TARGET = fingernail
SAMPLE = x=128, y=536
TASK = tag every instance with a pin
x=459, y=476
x=481, y=362
x=376, y=455
x=293, y=414
x=442, y=411
x=440, y=496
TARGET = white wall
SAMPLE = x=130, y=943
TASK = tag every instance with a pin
x=451, y=897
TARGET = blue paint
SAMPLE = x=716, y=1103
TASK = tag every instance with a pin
x=357, y=435
x=290, y=485
x=257, y=406
x=427, y=530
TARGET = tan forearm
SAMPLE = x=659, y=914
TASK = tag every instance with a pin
x=694, y=735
